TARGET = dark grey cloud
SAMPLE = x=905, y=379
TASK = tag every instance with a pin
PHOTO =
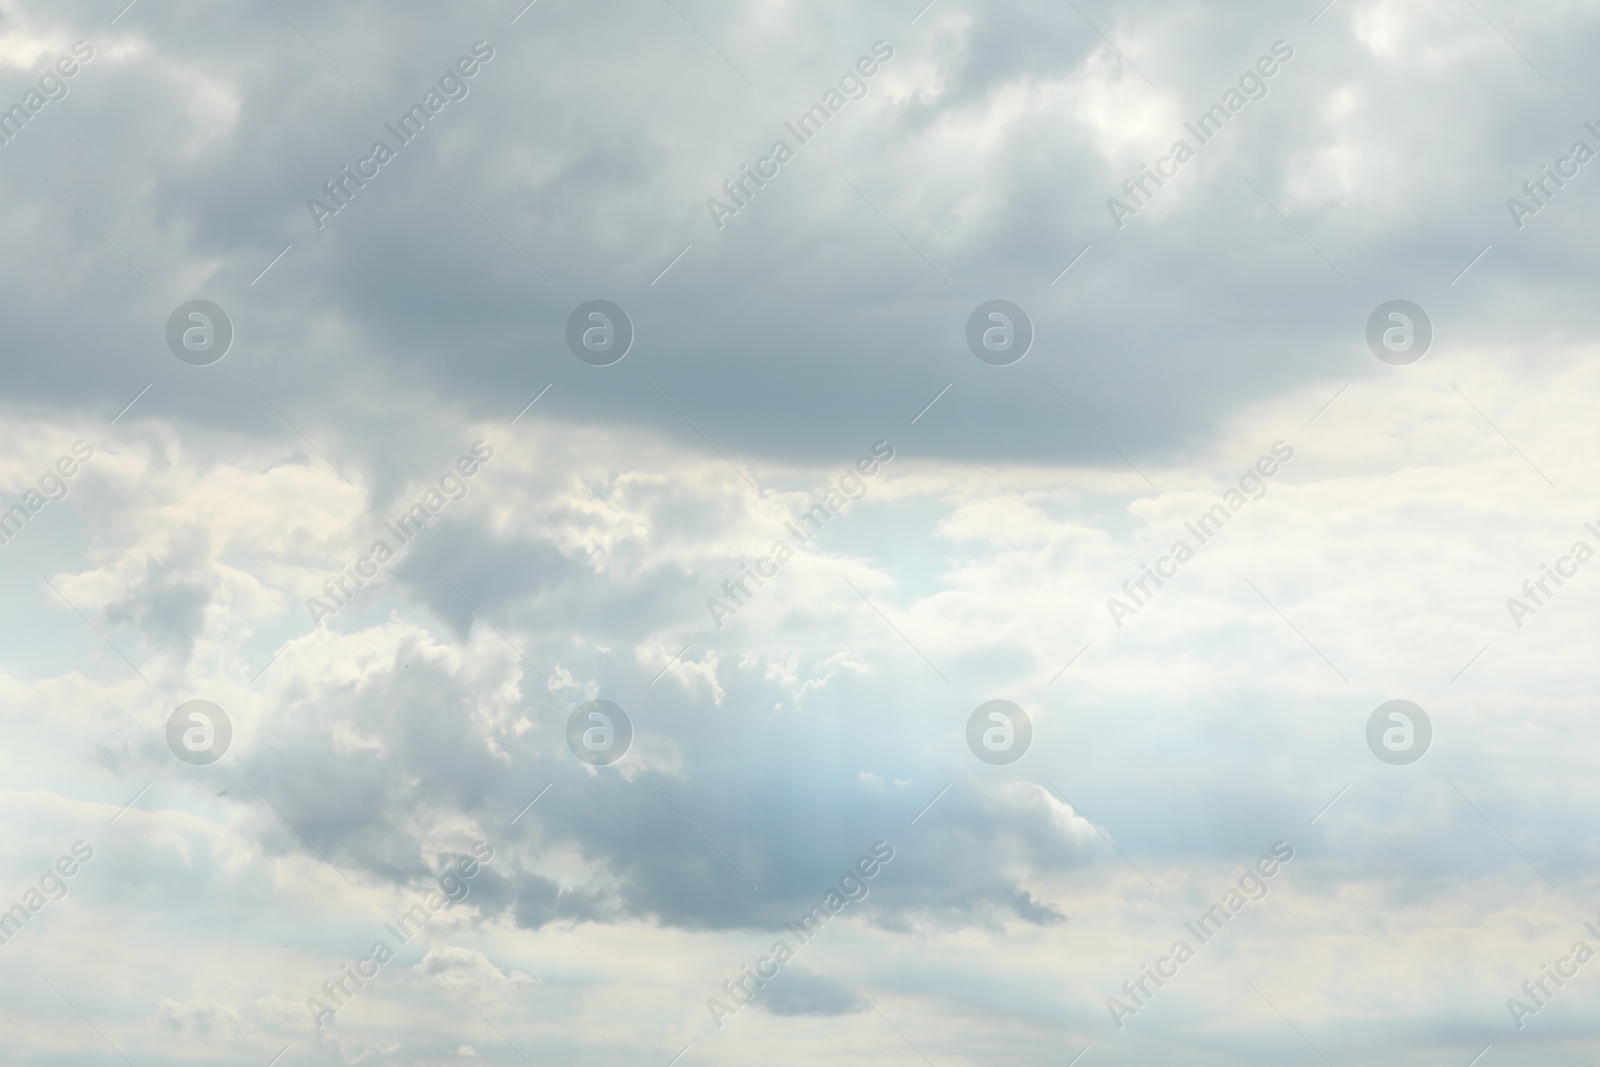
x=596, y=166
x=365, y=770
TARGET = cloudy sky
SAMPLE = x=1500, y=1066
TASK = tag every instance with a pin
x=1349, y=322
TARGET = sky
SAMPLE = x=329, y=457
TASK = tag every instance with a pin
x=657, y=532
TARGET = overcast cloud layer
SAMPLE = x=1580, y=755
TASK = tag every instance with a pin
x=581, y=747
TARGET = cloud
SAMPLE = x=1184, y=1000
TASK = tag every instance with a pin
x=201, y=1019
x=798, y=991
x=472, y=972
